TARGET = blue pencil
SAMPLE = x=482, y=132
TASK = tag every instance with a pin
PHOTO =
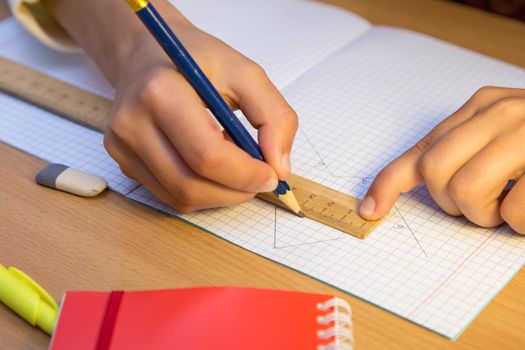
x=196, y=77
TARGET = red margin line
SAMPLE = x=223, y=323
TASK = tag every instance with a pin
x=442, y=284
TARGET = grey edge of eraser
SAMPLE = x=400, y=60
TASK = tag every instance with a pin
x=47, y=176
x=62, y=177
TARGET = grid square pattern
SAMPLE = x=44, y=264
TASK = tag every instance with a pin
x=362, y=101
x=286, y=37
x=58, y=140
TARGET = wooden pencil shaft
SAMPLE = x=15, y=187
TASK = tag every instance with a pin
x=183, y=60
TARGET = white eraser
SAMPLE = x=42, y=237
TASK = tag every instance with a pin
x=71, y=180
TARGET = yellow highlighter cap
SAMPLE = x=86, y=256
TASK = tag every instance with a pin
x=137, y=5
x=27, y=298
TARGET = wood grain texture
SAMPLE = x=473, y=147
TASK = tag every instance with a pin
x=318, y=202
x=327, y=206
x=108, y=242
x=477, y=30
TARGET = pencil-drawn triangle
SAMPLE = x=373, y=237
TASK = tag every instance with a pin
x=292, y=231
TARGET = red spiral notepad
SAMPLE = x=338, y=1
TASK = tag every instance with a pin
x=203, y=318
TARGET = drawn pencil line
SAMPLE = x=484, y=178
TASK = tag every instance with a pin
x=328, y=170
x=451, y=275
x=321, y=159
x=275, y=228
x=313, y=242
x=410, y=229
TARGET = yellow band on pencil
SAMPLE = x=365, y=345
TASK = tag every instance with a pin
x=137, y=5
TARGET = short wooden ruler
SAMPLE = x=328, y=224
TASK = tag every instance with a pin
x=319, y=203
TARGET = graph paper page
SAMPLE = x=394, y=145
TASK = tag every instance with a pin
x=257, y=33
x=359, y=109
x=285, y=37
x=363, y=105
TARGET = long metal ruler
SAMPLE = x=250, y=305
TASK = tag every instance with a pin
x=319, y=203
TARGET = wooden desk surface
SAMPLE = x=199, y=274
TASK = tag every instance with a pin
x=70, y=243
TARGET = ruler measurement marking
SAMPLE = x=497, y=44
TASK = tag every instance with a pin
x=325, y=205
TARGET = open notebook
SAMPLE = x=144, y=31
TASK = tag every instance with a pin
x=364, y=94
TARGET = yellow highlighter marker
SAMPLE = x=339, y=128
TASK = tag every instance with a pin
x=26, y=298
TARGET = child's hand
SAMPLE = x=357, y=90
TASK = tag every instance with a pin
x=162, y=136
x=466, y=162
x=160, y=132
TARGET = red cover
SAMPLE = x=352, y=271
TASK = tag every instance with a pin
x=192, y=318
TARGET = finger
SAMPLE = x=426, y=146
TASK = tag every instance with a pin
x=512, y=209
x=268, y=111
x=453, y=150
x=190, y=189
x=477, y=187
x=482, y=99
x=134, y=168
x=200, y=142
x=488, y=95
x=403, y=174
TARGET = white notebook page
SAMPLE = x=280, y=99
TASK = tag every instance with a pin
x=359, y=109
x=362, y=106
x=286, y=37
x=254, y=28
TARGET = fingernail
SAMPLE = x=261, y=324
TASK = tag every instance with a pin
x=269, y=186
x=285, y=162
x=367, y=208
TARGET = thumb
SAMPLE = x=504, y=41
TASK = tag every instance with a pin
x=401, y=175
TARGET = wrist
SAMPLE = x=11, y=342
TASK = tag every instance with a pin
x=110, y=32
x=138, y=49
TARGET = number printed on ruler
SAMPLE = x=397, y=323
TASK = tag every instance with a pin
x=320, y=203
x=340, y=212
x=327, y=206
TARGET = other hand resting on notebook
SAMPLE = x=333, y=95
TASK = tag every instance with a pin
x=466, y=162
x=160, y=132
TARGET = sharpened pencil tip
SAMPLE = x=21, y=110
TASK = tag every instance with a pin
x=289, y=199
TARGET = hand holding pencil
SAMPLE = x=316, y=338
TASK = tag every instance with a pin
x=160, y=132
x=193, y=73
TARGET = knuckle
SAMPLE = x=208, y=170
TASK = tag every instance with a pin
x=154, y=84
x=509, y=106
x=112, y=149
x=254, y=70
x=422, y=145
x=385, y=176
x=187, y=195
x=287, y=119
x=127, y=172
x=428, y=166
x=184, y=208
x=519, y=127
x=484, y=92
x=121, y=124
x=206, y=160
x=513, y=215
x=462, y=189
x=292, y=119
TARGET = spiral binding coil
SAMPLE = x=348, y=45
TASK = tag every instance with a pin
x=337, y=325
